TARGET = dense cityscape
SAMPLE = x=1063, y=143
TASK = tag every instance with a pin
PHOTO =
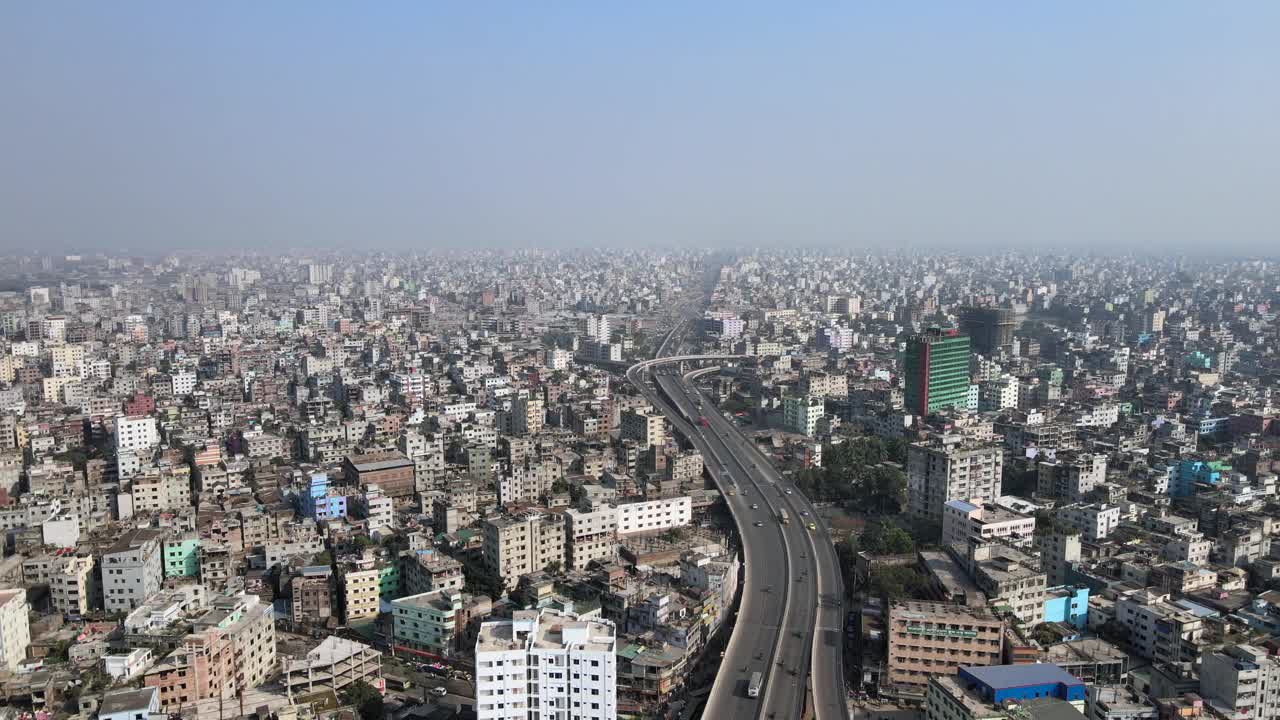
x=639, y=484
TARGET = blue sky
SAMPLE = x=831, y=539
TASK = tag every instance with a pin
x=1143, y=125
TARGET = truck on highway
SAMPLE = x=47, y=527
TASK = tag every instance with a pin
x=783, y=517
x=753, y=685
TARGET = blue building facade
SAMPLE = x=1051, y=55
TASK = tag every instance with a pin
x=1190, y=472
x=1067, y=604
x=318, y=504
x=999, y=683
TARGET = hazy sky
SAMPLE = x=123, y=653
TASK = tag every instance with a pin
x=385, y=124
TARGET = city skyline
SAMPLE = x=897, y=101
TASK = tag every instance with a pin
x=156, y=128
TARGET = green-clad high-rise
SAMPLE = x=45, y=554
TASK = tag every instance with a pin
x=936, y=371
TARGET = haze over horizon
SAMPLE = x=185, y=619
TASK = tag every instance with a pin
x=151, y=126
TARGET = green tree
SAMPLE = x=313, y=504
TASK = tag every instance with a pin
x=553, y=567
x=367, y=700
x=897, y=582
x=883, y=538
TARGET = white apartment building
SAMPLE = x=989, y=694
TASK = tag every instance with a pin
x=654, y=515
x=1159, y=630
x=1240, y=682
x=377, y=508
x=547, y=666
x=998, y=394
x=962, y=520
x=945, y=471
x=556, y=358
x=522, y=544
x=1095, y=521
x=131, y=570
x=593, y=536
x=15, y=628
x=1194, y=549
x=136, y=432
x=184, y=382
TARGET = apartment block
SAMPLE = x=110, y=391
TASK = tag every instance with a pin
x=654, y=515
x=647, y=427
x=1095, y=521
x=546, y=664
x=592, y=536
x=1159, y=630
x=428, y=621
x=132, y=570
x=1070, y=478
x=963, y=521
x=1240, y=682
x=951, y=470
x=516, y=545
x=15, y=628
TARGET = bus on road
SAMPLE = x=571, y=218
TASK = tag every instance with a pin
x=783, y=517
x=753, y=687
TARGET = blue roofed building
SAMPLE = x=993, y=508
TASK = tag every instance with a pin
x=998, y=684
x=1039, y=691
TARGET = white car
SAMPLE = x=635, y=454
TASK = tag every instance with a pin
x=788, y=492
x=439, y=691
x=755, y=506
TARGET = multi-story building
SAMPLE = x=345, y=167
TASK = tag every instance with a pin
x=376, y=507
x=936, y=371
x=647, y=427
x=132, y=570
x=991, y=328
x=1243, y=543
x=1116, y=702
x=358, y=583
x=654, y=515
x=1159, y=630
x=72, y=585
x=962, y=521
x=942, y=471
x=166, y=489
x=136, y=437
x=552, y=665
x=311, y=595
x=1095, y=521
x=592, y=536
x=527, y=416
x=389, y=470
x=427, y=570
x=15, y=628
x=1240, y=682
x=182, y=557
x=1070, y=478
x=927, y=639
x=516, y=545
x=1010, y=578
x=1059, y=549
x=232, y=647
x=800, y=414
x=428, y=621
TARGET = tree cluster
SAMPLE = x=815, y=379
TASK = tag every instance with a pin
x=853, y=474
